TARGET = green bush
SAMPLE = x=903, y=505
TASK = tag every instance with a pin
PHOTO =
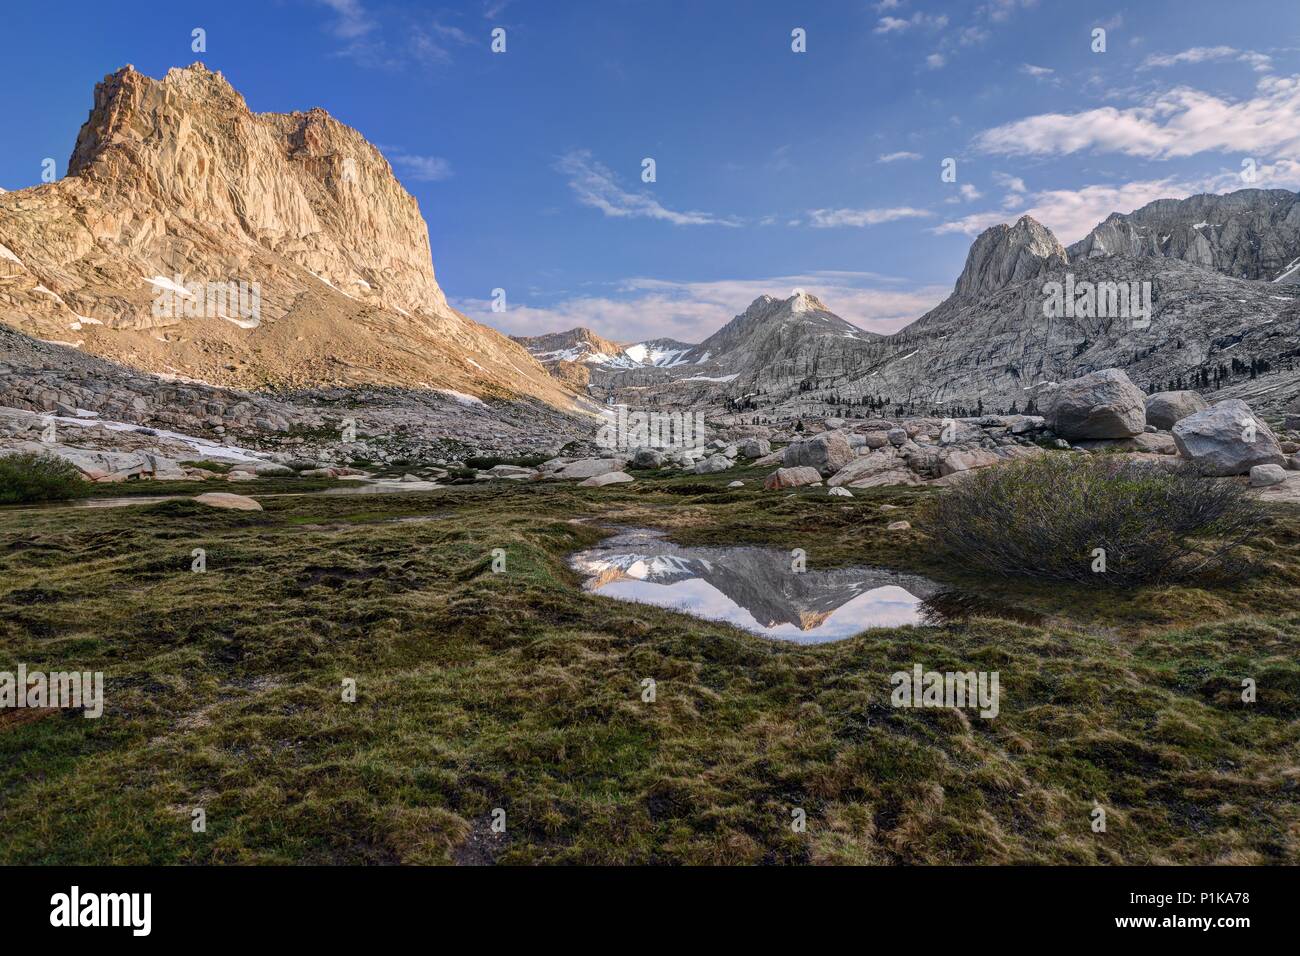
x=32, y=477
x=1047, y=517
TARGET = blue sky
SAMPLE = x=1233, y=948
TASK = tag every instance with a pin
x=774, y=169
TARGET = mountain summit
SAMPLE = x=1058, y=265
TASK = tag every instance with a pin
x=1004, y=255
x=176, y=192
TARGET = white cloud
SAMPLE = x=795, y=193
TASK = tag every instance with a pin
x=1261, y=62
x=969, y=192
x=935, y=61
x=920, y=20
x=1000, y=10
x=422, y=168
x=1037, y=72
x=831, y=218
x=1013, y=183
x=431, y=42
x=1179, y=122
x=595, y=185
x=895, y=157
x=353, y=20
x=640, y=308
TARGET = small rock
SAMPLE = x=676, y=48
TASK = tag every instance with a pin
x=1261, y=476
x=838, y=492
x=899, y=526
x=735, y=484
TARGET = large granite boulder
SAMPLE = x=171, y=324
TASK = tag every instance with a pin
x=966, y=459
x=827, y=452
x=713, y=464
x=1227, y=439
x=589, y=468
x=608, y=478
x=865, y=466
x=754, y=448
x=1102, y=404
x=792, y=478
x=1167, y=409
x=648, y=458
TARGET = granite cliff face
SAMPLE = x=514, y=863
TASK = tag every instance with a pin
x=193, y=237
x=1247, y=234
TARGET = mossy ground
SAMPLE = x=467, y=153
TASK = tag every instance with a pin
x=479, y=690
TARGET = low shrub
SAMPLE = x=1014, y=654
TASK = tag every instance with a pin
x=34, y=477
x=1047, y=517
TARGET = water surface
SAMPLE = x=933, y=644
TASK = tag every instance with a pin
x=754, y=588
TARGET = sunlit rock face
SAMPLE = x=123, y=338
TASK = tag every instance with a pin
x=175, y=183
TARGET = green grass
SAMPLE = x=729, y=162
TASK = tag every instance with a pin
x=479, y=690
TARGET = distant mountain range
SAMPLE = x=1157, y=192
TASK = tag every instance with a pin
x=176, y=194
x=1221, y=275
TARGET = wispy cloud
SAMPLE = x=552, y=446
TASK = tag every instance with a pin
x=421, y=168
x=641, y=308
x=999, y=10
x=595, y=185
x=1180, y=122
x=370, y=43
x=897, y=157
x=1260, y=62
x=832, y=218
x=352, y=20
x=432, y=42
x=915, y=21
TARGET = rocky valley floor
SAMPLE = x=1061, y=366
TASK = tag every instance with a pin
x=517, y=690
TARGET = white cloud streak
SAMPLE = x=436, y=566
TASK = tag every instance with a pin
x=832, y=218
x=595, y=185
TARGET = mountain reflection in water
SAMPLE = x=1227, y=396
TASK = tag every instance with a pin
x=755, y=589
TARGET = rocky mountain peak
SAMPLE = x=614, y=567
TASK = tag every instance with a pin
x=174, y=185
x=1004, y=255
